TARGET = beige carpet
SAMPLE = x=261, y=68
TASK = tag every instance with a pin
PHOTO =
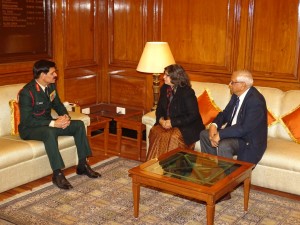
x=108, y=200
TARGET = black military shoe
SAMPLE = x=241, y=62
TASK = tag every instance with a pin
x=87, y=170
x=61, y=182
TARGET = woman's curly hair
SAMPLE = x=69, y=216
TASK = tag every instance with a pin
x=178, y=75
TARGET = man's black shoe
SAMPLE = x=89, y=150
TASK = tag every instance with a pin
x=87, y=170
x=61, y=182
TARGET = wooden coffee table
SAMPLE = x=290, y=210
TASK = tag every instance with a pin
x=193, y=174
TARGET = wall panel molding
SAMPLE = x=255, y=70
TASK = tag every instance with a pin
x=273, y=40
x=127, y=31
x=128, y=90
x=81, y=36
x=203, y=35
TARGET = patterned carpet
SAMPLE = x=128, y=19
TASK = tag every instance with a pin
x=108, y=200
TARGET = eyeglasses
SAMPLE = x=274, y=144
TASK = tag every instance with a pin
x=235, y=82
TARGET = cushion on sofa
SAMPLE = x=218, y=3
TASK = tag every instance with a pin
x=289, y=103
x=271, y=118
x=220, y=93
x=7, y=93
x=291, y=123
x=207, y=107
x=14, y=116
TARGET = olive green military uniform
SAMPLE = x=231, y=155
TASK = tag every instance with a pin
x=35, y=110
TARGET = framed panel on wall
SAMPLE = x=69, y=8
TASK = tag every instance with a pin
x=25, y=28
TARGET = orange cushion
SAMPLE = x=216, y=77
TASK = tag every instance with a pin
x=207, y=108
x=271, y=118
x=291, y=123
x=14, y=116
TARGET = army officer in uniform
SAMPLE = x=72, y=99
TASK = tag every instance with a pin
x=36, y=100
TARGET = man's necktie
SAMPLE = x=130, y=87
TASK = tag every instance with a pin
x=47, y=91
x=235, y=110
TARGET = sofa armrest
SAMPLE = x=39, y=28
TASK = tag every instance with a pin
x=149, y=120
x=75, y=116
x=80, y=116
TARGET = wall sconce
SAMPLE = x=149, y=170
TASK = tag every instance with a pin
x=155, y=57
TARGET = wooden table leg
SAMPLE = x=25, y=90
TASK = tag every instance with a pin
x=106, y=136
x=246, y=192
x=119, y=137
x=136, y=198
x=139, y=141
x=210, y=213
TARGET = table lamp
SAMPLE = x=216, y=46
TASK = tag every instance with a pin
x=155, y=57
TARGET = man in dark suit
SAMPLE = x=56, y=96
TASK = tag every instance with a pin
x=36, y=100
x=245, y=132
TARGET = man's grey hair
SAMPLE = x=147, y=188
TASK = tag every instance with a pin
x=244, y=76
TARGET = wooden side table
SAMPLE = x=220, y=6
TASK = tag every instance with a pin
x=97, y=123
x=132, y=122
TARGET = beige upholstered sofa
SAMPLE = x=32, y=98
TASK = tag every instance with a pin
x=279, y=169
x=24, y=161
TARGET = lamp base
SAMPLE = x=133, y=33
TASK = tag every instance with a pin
x=155, y=90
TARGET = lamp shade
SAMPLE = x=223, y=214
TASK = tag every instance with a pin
x=155, y=57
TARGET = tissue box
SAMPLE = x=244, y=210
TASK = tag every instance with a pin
x=75, y=108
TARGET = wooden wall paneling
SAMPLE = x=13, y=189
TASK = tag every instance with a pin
x=16, y=77
x=126, y=22
x=103, y=76
x=272, y=53
x=82, y=86
x=58, y=43
x=131, y=24
x=14, y=73
x=152, y=16
x=129, y=90
x=201, y=34
x=243, y=15
x=81, y=47
x=81, y=52
x=149, y=91
x=81, y=90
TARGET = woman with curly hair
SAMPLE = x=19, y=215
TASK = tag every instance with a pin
x=178, y=121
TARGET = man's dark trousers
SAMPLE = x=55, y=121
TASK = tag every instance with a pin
x=49, y=135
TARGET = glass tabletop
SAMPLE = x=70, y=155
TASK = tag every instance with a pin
x=193, y=168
